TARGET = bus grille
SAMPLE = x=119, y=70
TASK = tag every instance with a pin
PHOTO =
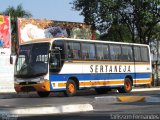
x=27, y=83
x=28, y=89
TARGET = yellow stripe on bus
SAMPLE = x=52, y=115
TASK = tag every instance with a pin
x=103, y=83
x=142, y=81
x=61, y=84
x=92, y=83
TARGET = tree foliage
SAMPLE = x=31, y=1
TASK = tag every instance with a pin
x=119, y=33
x=139, y=16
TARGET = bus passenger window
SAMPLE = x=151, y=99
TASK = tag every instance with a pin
x=144, y=54
x=115, y=51
x=73, y=50
x=102, y=52
x=127, y=54
x=137, y=54
x=88, y=51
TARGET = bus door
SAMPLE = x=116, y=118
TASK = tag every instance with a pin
x=55, y=60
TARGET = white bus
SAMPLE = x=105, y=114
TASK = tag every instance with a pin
x=65, y=64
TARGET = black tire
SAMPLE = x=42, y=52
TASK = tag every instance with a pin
x=71, y=88
x=127, y=88
x=102, y=90
x=43, y=94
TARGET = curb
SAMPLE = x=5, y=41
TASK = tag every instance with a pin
x=131, y=98
x=145, y=89
x=15, y=95
x=116, y=99
x=47, y=110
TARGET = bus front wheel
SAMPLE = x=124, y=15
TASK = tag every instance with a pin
x=43, y=94
x=127, y=86
x=71, y=88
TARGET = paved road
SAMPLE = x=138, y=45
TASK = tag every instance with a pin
x=114, y=111
x=87, y=96
x=102, y=109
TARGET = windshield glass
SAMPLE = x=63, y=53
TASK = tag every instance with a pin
x=32, y=60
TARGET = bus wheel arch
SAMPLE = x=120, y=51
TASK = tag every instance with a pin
x=72, y=86
x=128, y=83
x=130, y=77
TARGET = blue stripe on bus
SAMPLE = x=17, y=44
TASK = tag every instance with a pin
x=110, y=76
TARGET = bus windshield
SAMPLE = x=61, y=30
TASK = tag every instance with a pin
x=32, y=60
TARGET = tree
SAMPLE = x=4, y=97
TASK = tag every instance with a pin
x=14, y=13
x=119, y=33
x=155, y=43
x=140, y=16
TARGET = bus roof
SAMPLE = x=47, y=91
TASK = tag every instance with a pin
x=85, y=40
x=37, y=41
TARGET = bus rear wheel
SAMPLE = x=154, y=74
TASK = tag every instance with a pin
x=127, y=86
x=71, y=88
x=43, y=94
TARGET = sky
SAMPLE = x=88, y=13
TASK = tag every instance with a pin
x=59, y=10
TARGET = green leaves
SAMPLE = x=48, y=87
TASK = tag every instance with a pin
x=139, y=16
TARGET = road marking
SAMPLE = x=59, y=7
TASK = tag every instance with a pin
x=108, y=99
x=47, y=110
x=115, y=99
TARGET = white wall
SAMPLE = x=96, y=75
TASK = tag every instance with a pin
x=6, y=74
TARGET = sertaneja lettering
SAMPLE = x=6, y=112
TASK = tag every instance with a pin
x=101, y=68
x=109, y=68
x=91, y=68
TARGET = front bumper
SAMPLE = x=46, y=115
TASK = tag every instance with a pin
x=43, y=86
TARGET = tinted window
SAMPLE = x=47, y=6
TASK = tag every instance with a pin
x=144, y=54
x=102, y=52
x=88, y=51
x=137, y=53
x=115, y=51
x=127, y=54
x=32, y=60
x=73, y=50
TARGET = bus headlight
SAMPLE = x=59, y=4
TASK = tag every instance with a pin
x=42, y=79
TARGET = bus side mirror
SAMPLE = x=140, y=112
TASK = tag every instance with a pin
x=53, y=60
x=11, y=59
